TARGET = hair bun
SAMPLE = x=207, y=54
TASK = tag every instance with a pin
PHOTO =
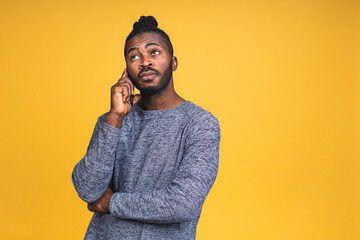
x=148, y=22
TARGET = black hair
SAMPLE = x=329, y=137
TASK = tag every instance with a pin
x=148, y=24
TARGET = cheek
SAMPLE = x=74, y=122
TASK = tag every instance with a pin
x=131, y=69
x=164, y=63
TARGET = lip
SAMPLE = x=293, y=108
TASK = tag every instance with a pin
x=148, y=75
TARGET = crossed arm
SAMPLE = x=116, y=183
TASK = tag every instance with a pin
x=102, y=204
x=180, y=201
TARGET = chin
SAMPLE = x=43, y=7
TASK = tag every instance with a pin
x=154, y=89
x=148, y=91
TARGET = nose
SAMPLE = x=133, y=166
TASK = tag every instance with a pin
x=146, y=62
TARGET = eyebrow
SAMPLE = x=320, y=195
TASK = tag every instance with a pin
x=146, y=46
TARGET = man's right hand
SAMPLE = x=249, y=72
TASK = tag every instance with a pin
x=121, y=95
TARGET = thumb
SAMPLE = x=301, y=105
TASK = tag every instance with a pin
x=135, y=98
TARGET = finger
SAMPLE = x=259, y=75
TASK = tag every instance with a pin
x=128, y=83
x=127, y=77
x=127, y=80
x=123, y=75
x=123, y=91
x=119, y=90
x=124, y=80
x=129, y=88
x=126, y=92
x=90, y=207
x=135, y=98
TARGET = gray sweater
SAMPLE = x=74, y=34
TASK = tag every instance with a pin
x=161, y=165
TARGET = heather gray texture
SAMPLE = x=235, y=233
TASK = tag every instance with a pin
x=161, y=165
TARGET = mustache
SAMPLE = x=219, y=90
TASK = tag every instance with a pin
x=148, y=69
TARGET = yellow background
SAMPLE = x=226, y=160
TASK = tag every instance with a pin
x=281, y=76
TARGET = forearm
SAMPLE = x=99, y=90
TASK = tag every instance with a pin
x=155, y=207
x=180, y=201
x=92, y=174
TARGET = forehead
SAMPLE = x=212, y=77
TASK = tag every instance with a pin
x=140, y=40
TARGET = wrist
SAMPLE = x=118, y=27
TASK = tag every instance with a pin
x=114, y=119
x=107, y=202
x=106, y=199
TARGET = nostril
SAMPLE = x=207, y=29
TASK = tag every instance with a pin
x=145, y=65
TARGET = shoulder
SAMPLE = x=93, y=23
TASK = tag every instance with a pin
x=202, y=121
x=199, y=115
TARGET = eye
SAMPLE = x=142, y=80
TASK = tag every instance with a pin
x=134, y=57
x=155, y=52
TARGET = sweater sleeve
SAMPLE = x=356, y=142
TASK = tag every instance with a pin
x=92, y=174
x=183, y=198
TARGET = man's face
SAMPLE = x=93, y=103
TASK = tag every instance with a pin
x=149, y=63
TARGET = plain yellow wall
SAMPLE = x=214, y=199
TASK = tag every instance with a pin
x=281, y=76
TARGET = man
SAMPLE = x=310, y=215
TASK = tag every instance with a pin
x=153, y=157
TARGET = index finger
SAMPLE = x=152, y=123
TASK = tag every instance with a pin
x=123, y=75
x=124, y=78
x=127, y=79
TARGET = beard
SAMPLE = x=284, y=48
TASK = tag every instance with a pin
x=163, y=82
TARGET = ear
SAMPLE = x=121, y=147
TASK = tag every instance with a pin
x=174, y=63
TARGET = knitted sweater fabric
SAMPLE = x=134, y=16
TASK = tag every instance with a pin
x=160, y=164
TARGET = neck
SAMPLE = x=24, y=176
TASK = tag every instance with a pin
x=165, y=99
